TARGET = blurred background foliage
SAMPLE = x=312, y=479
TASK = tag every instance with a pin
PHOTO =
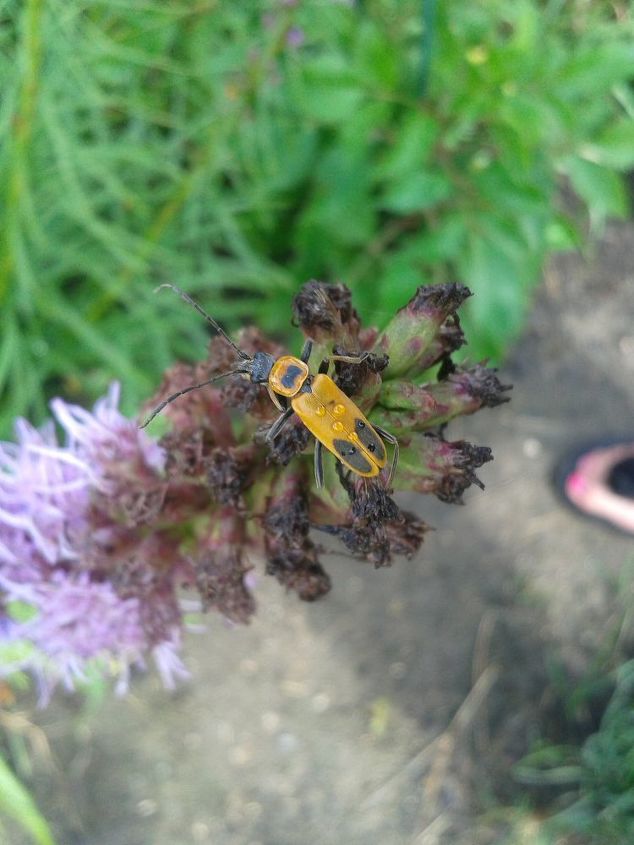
x=22, y=745
x=582, y=791
x=239, y=149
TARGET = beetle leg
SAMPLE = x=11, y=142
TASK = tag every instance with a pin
x=319, y=464
x=389, y=438
x=308, y=348
x=278, y=425
x=324, y=367
x=274, y=399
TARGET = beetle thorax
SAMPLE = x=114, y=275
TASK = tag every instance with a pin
x=288, y=375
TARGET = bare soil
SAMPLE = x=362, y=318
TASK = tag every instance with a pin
x=392, y=711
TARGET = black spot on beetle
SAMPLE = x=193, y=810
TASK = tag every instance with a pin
x=289, y=379
x=370, y=439
x=352, y=456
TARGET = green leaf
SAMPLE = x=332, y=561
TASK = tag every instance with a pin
x=330, y=93
x=17, y=802
x=375, y=57
x=410, y=148
x=496, y=272
x=511, y=192
x=444, y=241
x=400, y=274
x=602, y=190
x=342, y=209
x=614, y=147
x=416, y=192
x=563, y=235
x=331, y=103
x=594, y=69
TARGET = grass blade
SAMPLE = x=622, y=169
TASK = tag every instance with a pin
x=16, y=801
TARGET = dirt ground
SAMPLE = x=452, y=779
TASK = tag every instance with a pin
x=392, y=711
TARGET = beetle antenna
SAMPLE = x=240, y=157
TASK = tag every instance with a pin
x=171, y=398
x=209, y=319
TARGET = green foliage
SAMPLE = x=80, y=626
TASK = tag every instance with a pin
x=16, y=803
x=195, y=141
x=599, y=776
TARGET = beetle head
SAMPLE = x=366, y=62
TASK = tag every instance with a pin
x=259, y=367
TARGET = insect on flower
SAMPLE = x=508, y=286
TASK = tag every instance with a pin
x=330, y=416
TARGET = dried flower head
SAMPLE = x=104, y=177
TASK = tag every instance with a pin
x=101, y=532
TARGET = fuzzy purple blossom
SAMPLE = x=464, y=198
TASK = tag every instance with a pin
x=61, y=540
x=102, y=530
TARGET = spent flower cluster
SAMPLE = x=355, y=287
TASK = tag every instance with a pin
x=101, y=532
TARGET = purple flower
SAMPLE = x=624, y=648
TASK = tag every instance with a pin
x=79, y=558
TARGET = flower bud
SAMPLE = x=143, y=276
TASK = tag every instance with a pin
x=290, y=554
x=229, y=472
x=417, y=328
x=374, y=528
x=325, y=314
x=429, y=464
x=404, y=406
x=289, y=443
x=220, y=569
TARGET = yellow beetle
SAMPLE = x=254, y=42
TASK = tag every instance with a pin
x=330, y=416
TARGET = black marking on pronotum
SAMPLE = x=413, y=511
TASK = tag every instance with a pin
x=370, y=440
x=352, y=456
x=293, y=372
